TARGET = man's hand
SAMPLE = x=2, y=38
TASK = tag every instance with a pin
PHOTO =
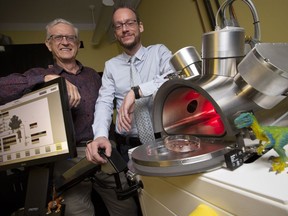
x=73, y=93
x=125, y=113
x=92, y=150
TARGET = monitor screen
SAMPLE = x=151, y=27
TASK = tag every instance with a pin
x=37, y=128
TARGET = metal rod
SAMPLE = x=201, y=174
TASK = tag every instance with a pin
x=210, y=13
x=200, y=16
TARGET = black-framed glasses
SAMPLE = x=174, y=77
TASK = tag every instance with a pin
x=127, y=24
x=59, y=38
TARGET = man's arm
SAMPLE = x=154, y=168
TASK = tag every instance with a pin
x=163, y=55
x=102, y=120
x=104, y=106
x=145, y=89
x=16, y=85
x=72, y=91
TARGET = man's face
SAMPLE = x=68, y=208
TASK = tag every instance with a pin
x=63, y=42
x=126, y=29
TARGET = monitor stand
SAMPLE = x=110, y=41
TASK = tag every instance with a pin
x=37, y=188
x=37, y=193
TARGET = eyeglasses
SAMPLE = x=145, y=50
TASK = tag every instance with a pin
x=127, y=24
x=59, y=38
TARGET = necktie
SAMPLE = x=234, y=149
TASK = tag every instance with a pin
x=141, y=112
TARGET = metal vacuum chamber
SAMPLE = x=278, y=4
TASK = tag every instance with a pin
x=203, y=110
x=198, y=112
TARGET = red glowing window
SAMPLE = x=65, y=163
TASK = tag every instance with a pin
x=188, y=112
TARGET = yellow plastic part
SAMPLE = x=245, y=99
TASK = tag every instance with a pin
x=203, y=210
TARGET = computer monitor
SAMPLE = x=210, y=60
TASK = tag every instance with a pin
x=37, y=128
x=35, y=131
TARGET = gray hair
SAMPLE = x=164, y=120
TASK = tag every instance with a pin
x=57, y=21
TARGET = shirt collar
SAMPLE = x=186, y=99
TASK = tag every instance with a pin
x=58, y=70
x=139, y=54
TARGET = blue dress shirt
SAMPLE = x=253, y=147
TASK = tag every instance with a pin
x=153, y=64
